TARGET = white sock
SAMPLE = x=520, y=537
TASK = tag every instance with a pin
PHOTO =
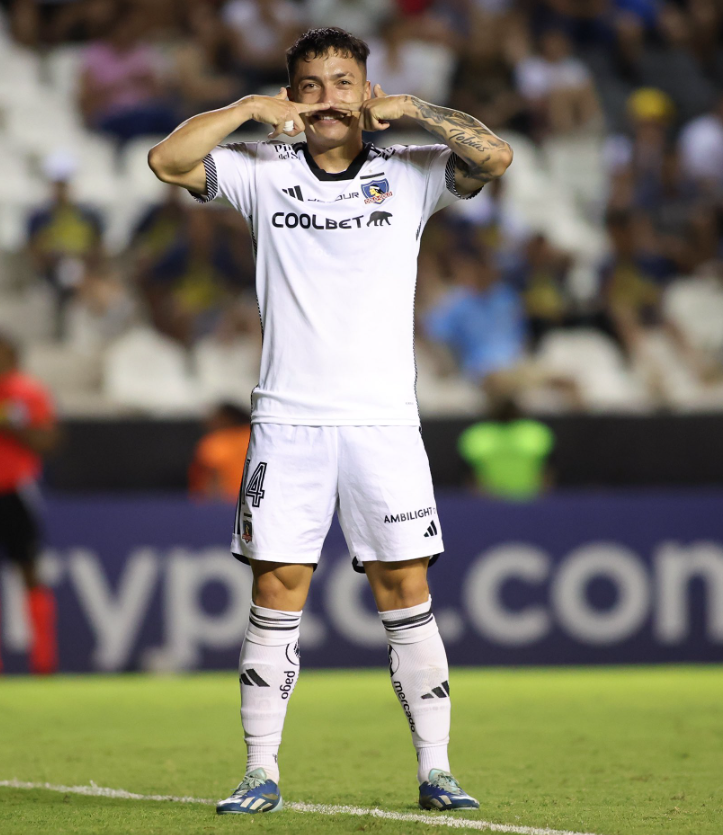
x=268, y=671
x=420, y=678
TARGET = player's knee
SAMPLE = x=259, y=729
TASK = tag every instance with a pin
x=409, y=591
x=270, y=592
x=398, y=588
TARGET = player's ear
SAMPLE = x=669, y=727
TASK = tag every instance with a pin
x=367, y=90
x=290, y=93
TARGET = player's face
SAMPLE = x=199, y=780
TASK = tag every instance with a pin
x=339, y=81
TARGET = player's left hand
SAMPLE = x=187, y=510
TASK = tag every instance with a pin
x=378, y=111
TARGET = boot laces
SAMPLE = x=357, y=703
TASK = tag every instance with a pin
x=249, y=782
x=447, y=783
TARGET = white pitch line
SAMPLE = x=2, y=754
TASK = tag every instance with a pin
x=433, y=819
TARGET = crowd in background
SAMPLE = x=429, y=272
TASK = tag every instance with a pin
x=507, y=305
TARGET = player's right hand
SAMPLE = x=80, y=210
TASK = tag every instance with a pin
x=277, y=111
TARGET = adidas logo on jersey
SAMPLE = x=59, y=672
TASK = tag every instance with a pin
x=250, y=677
x=294, y=191
x=438, y=692
x=432, y=529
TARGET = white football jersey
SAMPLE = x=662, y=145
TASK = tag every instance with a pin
x=336, y=268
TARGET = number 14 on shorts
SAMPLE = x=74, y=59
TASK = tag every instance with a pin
x=253, y=488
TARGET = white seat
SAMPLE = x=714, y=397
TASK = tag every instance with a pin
x=145, y=370
x=137, y=176
x=19, y=74
x=63, y=369
x=18, y=186
x=577, y=163
x=695, y=305
x=30, y=315
x=596, y=365
x=227, y=370
x=439, y=396
x=42, y=123
x=13, y=227
x=97, y=181
x=62, y=69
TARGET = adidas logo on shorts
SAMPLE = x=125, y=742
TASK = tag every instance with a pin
x=432, y=529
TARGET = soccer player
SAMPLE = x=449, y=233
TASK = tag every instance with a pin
x=27, y=430
x=336, y=226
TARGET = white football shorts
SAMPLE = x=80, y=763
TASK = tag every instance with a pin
x=376, y=477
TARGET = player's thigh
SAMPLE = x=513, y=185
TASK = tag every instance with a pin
x=386, y=500
x=288, y=494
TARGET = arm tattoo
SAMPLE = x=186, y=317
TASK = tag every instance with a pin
x=476, y=147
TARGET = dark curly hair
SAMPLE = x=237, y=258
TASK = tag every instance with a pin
x=318, y=42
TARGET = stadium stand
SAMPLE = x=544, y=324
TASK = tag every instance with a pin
x=615, y=114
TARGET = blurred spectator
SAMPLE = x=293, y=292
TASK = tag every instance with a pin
x=633, y=278
x=38, y=23
x=496, y=223
x=102, y=308
x=651, y=113
x=508, y=454
x=158, y=228
x=220, y=456
x=122, y=91
x=189, y=283
x=701, y=148
x=263, y=31
x=484, y=83
x=542, y=280
x=672, y=201
x=27, y=431
x=414, y=7
x=558, y=88
x=635, y=159
x=655, y=66
x=481, y=320
x=585, y=22
x=205, y=62
x=402, y=63
x=703, y=243
x=364, y=18
x=706, y=28
x=35, y=23
x=62, y=234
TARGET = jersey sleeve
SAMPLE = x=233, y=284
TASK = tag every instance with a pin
x=437, y=164
x=230, y=175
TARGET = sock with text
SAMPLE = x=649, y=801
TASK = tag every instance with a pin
x=268, y=671
x=420, y=678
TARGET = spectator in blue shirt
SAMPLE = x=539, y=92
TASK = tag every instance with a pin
x=481, y=319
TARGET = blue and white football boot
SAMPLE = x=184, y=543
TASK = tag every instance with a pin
x=440, y=791
x=255, y=793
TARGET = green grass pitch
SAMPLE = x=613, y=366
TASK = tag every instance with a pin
x=624, y=751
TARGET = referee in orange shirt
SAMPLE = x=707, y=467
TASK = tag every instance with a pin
x=27, y=430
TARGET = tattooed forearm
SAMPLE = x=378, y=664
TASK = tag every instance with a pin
x=483, y=156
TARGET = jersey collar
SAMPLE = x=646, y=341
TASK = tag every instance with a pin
x=350, y=172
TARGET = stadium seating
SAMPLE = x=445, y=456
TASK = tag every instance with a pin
x=556, y=186
x=147, y=372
